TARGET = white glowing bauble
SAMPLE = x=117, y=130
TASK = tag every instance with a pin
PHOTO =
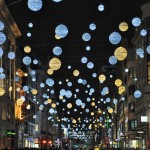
x=51, y=111
x=101, y=7
x=35, y=61
x=88, y=48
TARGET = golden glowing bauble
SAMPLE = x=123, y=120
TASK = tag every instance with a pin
x=122, y=89
x=69, y=105
x=74, y=121
x=118, y=82
x=67, y=80
x=61, y=97
x=20, y=101
x=50, y=71
x=110, y=110
x=55, y=63
x=102, y=78
x=123, y=26
x=2, y=91
x=76, y=73
x=120, y=53
x=92, y=113
x=79, y=119
x=49, y=101
x=57, y=37
x=34, y=91
x=18, y=89
x=27, y=49
x=10, y=88
x=53, y=105
x=28, y=106
x=25, y=74
x=93, y=104
x=93, y=99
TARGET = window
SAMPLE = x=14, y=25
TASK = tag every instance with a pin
x=132, y=73
x=132, y=125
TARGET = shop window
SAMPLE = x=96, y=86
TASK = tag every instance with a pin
x=132, y=125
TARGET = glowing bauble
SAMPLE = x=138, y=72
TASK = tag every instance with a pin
x=136, y=21
x=69, y=105
x=50, y=71
x=35, y=5
x=28, y=106
x=25, y=88
x=55, y=63
x=148, y=49
x=90, y=65
x=118, y=82
x=76, y=73
x=78, y=102
x=84, y=60
x=56, y=1
x=35, y=61
x=121, y=89
x=27, y=49
x=26, y=60
x=2, y=91
x=101, y=7
x=61, y=31
x=53, y=105
x=86, y=37
x=92, y=26
x=51, y=111
x=115, y=38
x=143, y=32
x=92, y=104
x=140, y=52
x=110, y=110
x=1, y=26
x=50, y=82
x=88, y=48
x=120, y=53
x=30, y=25
x=11, y=55
x=137, y=94
x=92, y=113
x=2, y=76
x=112, y=60
x=57, y=50
x=1, y=70
x=102, y=78
x=2, y=38
x=123, y=26
x=34, y=91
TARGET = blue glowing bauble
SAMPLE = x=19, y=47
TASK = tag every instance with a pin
x=35, y=61
x=64, y=100
x=140, y=52
x=103, y=93
x=69, y=84
x=143, y=32
x=123, y=98
x=52, y=91
x=16, y=78
x=2, y=26
x=80, y=80
x=68, y=94
x=87, y=110
x=86, y=37
x=2, y=38
x=33, y=79
x=84, y=60
x=1, y=52
x=94, y=75
x=148, y=49
x=11, y=55
x=92, y=90
x=32, y=72
x=78, y=102
x=115, y=101
x=42, y=85
x=56, y=1
x=88, y=48
x=1, y=70
x=115, y=38
x=2, y=76
x=57, y=50
x=30, y=25
x=112, y=60
x=62, y=92
x=61, y=31
x=26, y=60
x=44, y=95
x=25, y=88
x=137, y=94
x=101, y=7
x=84, y=82
x=51, y=110
x=35, y=5
x=90, y=65
x=88, y=99
x=69, y=67
x=50, y=82
x=136, y=21
x=92, y=26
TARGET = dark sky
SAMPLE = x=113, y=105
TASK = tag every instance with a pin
x=77, y=15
